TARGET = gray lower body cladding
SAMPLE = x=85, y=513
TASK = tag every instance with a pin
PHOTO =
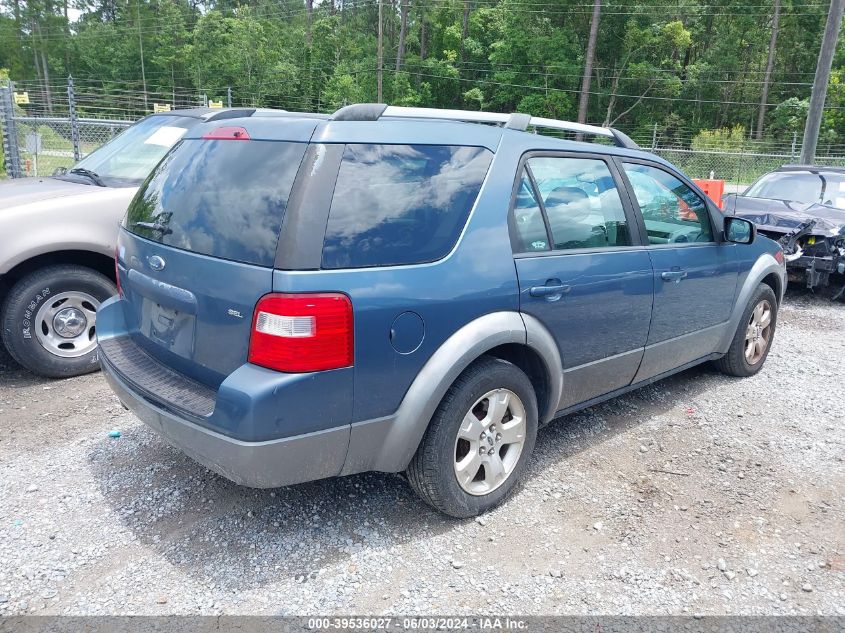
x=266, y=464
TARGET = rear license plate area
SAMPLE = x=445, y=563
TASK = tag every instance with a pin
x=169, y=328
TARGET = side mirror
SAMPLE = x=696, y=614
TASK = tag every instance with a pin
x=739, y=230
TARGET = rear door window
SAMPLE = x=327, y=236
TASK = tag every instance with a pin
x=528, y=217
x=582, y=204
x=401, y=204
x=220, y=198
x=576, y=198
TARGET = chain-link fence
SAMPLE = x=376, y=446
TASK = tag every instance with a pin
x=732, y=154
x=47, y=130
x=738, y=168
x=47, y=144
x=46, y=127
x=40, y=145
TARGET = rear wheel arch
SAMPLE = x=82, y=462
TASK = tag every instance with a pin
x=504, y=335
x=449, y=470
x=532, y=365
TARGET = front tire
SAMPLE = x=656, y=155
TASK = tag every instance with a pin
x=479, y=440
x=754, y=336
x=49, y=317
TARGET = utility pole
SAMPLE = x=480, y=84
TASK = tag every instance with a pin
x=403, y=31
x=309, y=18
x=141, y=45
x=380, y=47
x=583, y=102
x=819, y=93
x=770, y=64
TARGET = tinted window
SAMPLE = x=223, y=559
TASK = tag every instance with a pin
x=401, y=204
x=528, y=218
x=673, y=212
x=582, y=203
x=219, y=198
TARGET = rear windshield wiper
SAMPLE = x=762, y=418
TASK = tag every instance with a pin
x=91, y=175
x=158, y=227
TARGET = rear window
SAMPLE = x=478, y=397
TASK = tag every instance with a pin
x=220, y=198
x=401, y=204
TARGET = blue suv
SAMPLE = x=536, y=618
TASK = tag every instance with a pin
x=415, y=290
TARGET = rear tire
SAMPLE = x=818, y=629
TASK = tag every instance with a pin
x=479, y=440
x=754, y=335
x=48, y=320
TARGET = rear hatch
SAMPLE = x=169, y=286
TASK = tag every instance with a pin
x=198, y=244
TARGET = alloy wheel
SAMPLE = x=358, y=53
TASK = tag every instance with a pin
x=758, y=333
x=489, y=442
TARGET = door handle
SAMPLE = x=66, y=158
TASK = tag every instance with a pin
x=549, y=291
x=673, y=275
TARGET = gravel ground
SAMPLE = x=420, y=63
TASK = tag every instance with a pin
x=700, y=494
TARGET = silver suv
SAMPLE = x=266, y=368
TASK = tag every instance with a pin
x=59, y=235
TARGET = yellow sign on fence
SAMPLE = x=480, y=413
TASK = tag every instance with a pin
x=215, y=104
x=161, y=107
x=22, y=98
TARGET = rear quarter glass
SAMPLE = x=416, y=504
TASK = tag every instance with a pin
x=220, y=198
x=401, y=204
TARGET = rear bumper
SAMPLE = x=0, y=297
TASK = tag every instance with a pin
x=259, y=428
x=268, y=464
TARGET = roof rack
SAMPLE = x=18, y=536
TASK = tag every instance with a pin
x=515, y=121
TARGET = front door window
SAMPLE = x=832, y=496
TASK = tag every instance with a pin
x=673, y=212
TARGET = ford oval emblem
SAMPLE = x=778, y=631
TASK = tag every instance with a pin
x=156, y=262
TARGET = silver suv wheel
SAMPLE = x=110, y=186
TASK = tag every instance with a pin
x=479, y=440
x=758, y=332
x=64, y=324
x=489, y=442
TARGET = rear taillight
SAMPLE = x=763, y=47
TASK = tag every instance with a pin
x=779, y=256
x=302, y=332
x=117, y=271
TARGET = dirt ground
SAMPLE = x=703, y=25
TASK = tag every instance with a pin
x=700, y=494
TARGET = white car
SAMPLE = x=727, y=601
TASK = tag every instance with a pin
x=59, y=235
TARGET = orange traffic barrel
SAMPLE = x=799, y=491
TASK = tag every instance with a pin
x=713, y=188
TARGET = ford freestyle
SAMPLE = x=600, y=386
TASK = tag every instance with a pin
x=413, y=290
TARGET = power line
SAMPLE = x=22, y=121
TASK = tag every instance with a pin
x=546, y=8
x=624, y=96
x=578, y=9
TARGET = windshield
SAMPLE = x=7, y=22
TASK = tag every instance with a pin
x=801, y=186
x=130, y=157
